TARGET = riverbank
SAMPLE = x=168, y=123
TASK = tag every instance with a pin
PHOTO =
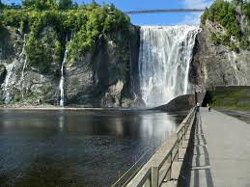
x=74, y=108
x=53, y=107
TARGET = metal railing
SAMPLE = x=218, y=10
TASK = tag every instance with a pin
x=160, y=167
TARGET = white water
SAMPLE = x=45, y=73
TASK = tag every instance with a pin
x=61, y=84
x=10, y=68
x=24, y=64
x=164, y=62
x=6, y=93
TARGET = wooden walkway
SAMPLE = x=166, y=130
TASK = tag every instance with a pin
x=221, y=155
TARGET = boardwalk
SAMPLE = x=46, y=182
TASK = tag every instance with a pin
x=221, y=156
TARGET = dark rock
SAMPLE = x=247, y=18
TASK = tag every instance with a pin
x=3, y=73
x=105, y=77
x=181, y=103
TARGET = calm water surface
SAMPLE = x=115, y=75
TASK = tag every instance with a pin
x=77, y=148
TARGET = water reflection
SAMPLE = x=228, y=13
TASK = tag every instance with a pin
x=154, y=125
x=61, y=122
x=83, y=148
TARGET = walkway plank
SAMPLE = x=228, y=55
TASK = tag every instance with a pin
x=221, y=151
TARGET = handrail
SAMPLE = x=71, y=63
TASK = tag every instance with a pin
x=127, y=176
x=159, y=167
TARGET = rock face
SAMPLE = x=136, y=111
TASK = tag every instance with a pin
x=181, y=103
x=18, y=82
x=3, y=73
x=104, y=77
x=217, y=65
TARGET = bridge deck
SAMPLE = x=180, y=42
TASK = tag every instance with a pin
x=221, y=151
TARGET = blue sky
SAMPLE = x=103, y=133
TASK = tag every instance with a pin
x=154, y=19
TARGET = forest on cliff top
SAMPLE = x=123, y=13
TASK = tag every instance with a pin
x=234, y=17
x=52, y=26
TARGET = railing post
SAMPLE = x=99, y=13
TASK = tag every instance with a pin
x=154, y=176
x=169, y=173
x=147, y=183
x=177, y=151
x=182, y=134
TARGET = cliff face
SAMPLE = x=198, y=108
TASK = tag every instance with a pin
x=219, y=57
x=218, y=65
x=101, y=77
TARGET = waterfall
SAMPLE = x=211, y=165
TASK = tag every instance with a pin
x=11, y=69
x=164, y=62
x=61, y=84
x=6, y=93
x=24, y=64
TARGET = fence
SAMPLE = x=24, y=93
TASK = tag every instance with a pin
x=165, y=165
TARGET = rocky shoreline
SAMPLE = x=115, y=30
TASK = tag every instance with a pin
x=53, y=107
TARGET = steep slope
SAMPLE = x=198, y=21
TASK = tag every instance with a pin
x=102, y=50
x=221, y=55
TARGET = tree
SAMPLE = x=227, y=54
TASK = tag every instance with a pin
x=1, y=5
x=39, y=4
x=64, y=4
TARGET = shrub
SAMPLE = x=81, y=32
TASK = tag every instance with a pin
x=85, y=24
x=225, y=14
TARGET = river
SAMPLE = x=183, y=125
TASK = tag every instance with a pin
x=77, y=148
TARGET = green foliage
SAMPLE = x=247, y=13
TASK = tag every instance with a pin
x=45, y=51
x=64, y=4
x=244, y=43
x=231, y=97
x=90, y=23
x=234, y=47
x=85, y=24
x=245, y=7
x=47, y=4
x=1, y=5
x=225, y=14
x=224, y=39
x=215, y=39
x=40, y=4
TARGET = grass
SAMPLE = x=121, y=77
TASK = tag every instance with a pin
x=235, y=98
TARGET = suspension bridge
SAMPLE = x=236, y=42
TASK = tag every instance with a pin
x=156, y=11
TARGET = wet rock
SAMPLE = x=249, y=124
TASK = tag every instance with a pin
x=181, y=103
x=3, y=73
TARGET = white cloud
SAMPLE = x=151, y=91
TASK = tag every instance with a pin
x=191, y=19
x=194, y=18
x=196, y=3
